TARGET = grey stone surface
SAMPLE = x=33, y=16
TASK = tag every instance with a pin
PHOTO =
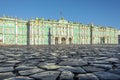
x=99, y=62
x=6, y=75
x=49, y=66
x=82, y=62
x=74, y=63
x=48, y=75
x=30, y=72
x=107, y=76
x=90, y=69
x=6, y=69
x=66, y=75
x=115, y=71
x=76, y=70
x=23, y=67
x=6, y=64
x=113, y=60
x=104, y=66
x=20, y=78
x=87, y=76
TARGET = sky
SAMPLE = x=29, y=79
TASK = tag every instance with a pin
x=98, y=12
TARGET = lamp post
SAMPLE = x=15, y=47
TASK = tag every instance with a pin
x=49, y=37
x=28, y=33
x=49, y=40
x=91, y=34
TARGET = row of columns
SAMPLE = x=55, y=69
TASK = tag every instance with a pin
x=51, y=40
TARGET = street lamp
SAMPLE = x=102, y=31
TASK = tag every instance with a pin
x=49, y=36
x=49, y=40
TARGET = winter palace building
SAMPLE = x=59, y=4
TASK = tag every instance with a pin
x=14, y=31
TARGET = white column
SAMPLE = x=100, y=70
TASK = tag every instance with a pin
x=38, y=34
x=59, y=40
x=3, y=30
x=16, y=30
x=67, y=40
x=68, y=31
x=53, y=40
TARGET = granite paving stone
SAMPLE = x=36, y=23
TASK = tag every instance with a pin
x=6, y=64
x=91, y=69
x=107, y=76
x=104, y=66
x=115, y=71
x=76, y=70
x=48, y=75
x=49, y=66
x=6, y=75
x=60, y=62
x=23, y=67
x=30, y=72
x=66, y=75
x=74, y=63
x=87, y=76
x=19, y=78
x=6, y=69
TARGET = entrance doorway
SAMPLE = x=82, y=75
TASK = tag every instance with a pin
x=56, y=40
x=70, y=40
x=118, y=39
x=102, y=40
x=63, y=40
x=1, y=38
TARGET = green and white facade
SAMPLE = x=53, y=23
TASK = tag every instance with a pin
x=15, y=31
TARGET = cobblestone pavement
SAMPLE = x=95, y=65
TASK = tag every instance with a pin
x=84, y=62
